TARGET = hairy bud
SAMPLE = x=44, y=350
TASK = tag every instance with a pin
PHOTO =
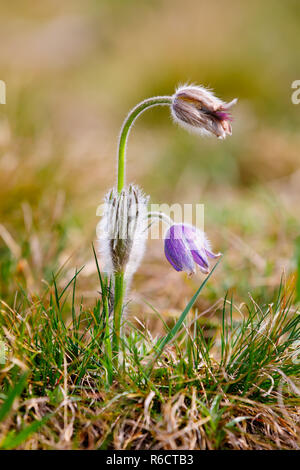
x=123, y=230
x=199, y=110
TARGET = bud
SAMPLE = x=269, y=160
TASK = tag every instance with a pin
x=186, y=246
x=199, y=110
x=123, y=230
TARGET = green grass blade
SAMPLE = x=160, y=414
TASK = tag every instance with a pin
x=179, y=322
x=12, y=440
x=70, y=282
x=12, y=395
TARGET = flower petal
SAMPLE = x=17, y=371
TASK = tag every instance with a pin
x=176, y=251
x=168, y=256
x=186, y=246
x=200, y=110
x=212, y=255
x=195, y=240
x=201, y=259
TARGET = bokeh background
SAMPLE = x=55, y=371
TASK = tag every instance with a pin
x=73, y=69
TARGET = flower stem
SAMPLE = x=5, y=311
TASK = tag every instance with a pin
x=127, y=124
x=118, y=307
x=160, y=216
x=119, y=276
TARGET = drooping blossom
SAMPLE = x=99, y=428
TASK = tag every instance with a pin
x=186, y=247
x=199, y=110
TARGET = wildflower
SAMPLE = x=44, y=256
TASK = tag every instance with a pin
x=199, y=110
x=123, y=227
x=186, y=246
x=123, y=230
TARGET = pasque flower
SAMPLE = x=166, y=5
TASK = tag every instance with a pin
x=186, y=246
x=126, y=218
x=199, y=110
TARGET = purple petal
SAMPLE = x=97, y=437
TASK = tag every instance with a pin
x=185, y=245
x=200, y=258
x=176, y=251
x=195, y=243
x=223, y=116
x=167, y=248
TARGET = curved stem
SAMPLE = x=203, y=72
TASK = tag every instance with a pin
x=160, y=216
x=119, y=277
x=127, y=124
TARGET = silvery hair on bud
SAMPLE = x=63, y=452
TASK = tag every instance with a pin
x=123, y=231
x=198, y=110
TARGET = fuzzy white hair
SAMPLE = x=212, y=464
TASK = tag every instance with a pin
x=123, y=231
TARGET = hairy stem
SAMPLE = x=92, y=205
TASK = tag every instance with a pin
x=119, y=277
x=161, y=216
x=134, y=113
x=118, y=308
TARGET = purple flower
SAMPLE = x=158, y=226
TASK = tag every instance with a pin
x=201, y=111
x=186, y=246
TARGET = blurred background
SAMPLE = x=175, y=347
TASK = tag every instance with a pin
x=73, y=70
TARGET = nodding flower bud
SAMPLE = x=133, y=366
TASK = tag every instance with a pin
x=123, y=230
x=186, y=246
x=199, y=110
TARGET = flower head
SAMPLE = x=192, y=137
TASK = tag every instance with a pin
x=122, y=234
x=186, y=246
x=199, y=110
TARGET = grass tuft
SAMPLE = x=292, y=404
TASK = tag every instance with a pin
x=231, y=384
